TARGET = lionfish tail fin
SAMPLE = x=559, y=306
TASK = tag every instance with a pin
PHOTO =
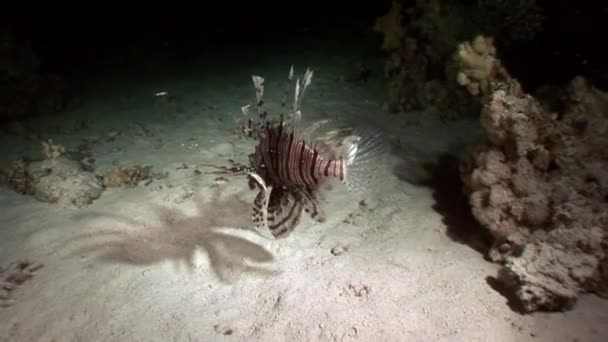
x=358, y=153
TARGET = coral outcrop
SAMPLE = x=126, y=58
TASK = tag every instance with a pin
x=54, y=179
x=128, y=176
x=58, y=180
x=539, y=184
x=420, y=37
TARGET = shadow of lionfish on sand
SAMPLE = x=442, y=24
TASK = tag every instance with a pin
x=178, y=236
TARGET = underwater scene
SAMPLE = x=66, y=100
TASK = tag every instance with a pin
x=377, y=171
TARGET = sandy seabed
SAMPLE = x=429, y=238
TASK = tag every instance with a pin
x=177, y=259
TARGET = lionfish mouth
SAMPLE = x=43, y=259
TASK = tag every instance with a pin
x=293, y=161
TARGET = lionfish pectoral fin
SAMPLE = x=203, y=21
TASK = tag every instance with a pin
x=284, y=213
x=259, y=212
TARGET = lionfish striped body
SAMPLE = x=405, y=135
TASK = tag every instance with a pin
x=286, y=160
x=289, y=168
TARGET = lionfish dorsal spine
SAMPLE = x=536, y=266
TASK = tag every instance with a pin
x=301, y=90
x=258, y=83
x=286, y=91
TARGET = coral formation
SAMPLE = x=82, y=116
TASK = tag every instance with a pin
x=420, y=37
x=66, y=182
x=59, y=180
x=52, y=150
x=538, y=183
x=476, y=61
x=128, y=176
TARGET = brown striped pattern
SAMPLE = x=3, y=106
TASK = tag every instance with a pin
x=285, y=210
x=286, y=160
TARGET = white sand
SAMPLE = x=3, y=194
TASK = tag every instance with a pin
x=176, y=260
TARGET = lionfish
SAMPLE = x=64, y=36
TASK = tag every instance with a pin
x=291, y=164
